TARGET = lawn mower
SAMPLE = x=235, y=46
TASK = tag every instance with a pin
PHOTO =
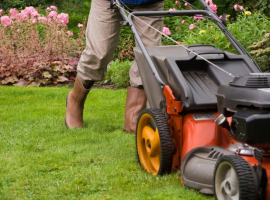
x=208, y=113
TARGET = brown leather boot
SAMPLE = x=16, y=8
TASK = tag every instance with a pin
x=135, y=103
x=75, y=105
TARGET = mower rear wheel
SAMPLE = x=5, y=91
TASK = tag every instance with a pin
x=234, y=179
x=154, y=142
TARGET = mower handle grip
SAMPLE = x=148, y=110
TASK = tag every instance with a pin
x=211, y=51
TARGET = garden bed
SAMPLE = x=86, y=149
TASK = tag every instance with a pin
x=39, y=50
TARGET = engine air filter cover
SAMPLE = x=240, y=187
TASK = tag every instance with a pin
x=251, y=126
x=252, y=80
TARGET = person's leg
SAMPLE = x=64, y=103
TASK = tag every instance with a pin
x=136, y=98
x=102, y=36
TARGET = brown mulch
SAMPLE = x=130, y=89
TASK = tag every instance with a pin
x=100, y=85
x=108, y=85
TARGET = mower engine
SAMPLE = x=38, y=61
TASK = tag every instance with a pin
x=247, y=100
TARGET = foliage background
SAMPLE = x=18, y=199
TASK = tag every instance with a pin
x=242, y=28
x=79, y=9
x=20, y=4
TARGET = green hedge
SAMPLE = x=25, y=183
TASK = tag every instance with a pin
x=21, y=4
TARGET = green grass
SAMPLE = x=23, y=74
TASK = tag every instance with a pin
x=41, y=159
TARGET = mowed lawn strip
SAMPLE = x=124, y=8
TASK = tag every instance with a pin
x=41, y=159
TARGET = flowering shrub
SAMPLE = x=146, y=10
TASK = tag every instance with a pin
x=261, y=52
x=125, y=50
x=243, y=28
x=30, y=44
x=261, y=6
x=247, y=28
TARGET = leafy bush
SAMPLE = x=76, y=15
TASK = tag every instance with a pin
x=262, y=6
x=125, y=37
x=261, y=52
x=124, y=50
x=246, y=27
x=177, y=25
x=118, y=73
x=243, y=29
x=38, y=73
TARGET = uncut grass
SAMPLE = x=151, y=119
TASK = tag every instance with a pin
x=41, y=159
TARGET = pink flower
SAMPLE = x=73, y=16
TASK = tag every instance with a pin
x=28, y=10
x=177, y=2
x=80, y=25
x=34, y=14
x=42, y=19
x=192, y=26
x=220, y=17
x=186, y=4
x=69, y=33
x=33, y=20
x=166, y=31
x=21, y=16
x=183, y=21
x=48, y=9
x=1, y=12
x=53, y=7
x=6, y=21
x=172, y=9
x=59, y=32
x=13, y=12
x=52, y=14
x=237, y=7
x=18, y=30
x=198, y=17
x=213, y=7
x=62, y=18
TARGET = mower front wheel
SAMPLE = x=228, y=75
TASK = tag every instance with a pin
x=234, y=179
x=154, y=142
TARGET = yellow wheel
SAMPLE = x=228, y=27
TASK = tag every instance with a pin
x=154, y=142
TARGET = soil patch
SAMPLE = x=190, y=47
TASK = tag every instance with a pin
x=100, y=84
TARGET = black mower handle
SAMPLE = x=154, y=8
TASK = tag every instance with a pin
x=206, y=13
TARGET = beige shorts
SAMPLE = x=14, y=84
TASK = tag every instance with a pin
x=102, y=37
